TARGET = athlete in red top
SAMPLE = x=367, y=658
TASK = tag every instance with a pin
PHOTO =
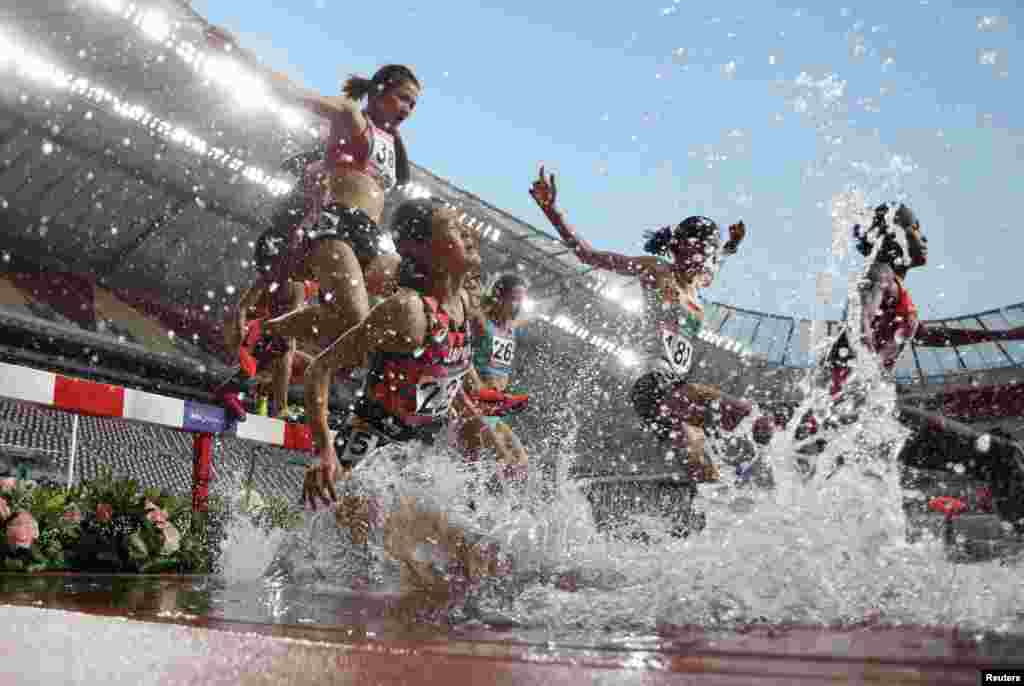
x=889, y=318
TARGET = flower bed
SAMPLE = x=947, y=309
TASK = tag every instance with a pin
x=113, y=525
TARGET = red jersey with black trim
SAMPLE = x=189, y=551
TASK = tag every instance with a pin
x=407, y=392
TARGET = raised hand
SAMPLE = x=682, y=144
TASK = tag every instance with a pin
x=736, y=233
x=544, y=191
x=318, y=483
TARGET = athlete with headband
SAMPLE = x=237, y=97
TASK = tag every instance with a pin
x=664, y=396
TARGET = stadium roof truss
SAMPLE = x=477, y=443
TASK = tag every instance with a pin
x=133, y=149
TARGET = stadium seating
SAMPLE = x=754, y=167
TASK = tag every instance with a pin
x=154, y=456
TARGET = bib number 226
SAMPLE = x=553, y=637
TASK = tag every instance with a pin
x=504, y=352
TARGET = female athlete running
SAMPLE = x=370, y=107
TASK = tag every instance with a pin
x=275, y=292
x=272, y=369
x=495, y=324
x=889, y=318
x=364, y=160
x=662, y=396
x=419, y=343
x=342, y=247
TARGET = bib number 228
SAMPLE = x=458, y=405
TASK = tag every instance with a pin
x=678, y=351
x=435, y=397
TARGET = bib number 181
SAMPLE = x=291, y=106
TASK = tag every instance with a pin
x=678, y=351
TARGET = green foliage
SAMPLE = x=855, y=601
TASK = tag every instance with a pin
x=111, y=524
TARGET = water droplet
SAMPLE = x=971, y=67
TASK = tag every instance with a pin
x=88, y=115
x=988, y=56
x=47, y=148
x=991, y=23
x=230, y=290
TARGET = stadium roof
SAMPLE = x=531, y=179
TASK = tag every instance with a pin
x=135, y=149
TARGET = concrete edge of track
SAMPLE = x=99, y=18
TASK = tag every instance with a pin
x=774, y=655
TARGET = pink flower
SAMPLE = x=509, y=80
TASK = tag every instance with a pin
x=156, y=515
x=73, y=515
x=5, y=509
x=8, y=484
x=22, y=531
x=104, y=512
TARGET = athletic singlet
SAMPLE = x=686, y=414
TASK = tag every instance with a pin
x=896, y=323
x=898, y=319
x=667, y=346
x=495, y=353
x=372, y=153
x=409, y=396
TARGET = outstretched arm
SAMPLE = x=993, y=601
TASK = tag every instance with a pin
x=545, y=193
x=935, y=337
x=328, y=107
x=236, y=321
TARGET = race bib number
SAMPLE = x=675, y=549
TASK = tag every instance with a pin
x=678, y=351
x=434, y=397
x=384, y=158
x=503, y=351
x=358, y=445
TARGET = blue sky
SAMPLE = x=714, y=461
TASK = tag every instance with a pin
x=653, y=110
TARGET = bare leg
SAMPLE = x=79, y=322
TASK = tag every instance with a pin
x=282, y=376
x=476, y=435
x=342, y=292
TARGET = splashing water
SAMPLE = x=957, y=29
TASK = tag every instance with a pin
x=247, y=549
x=826, y=543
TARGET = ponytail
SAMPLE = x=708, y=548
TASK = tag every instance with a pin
x=658, y=242
x=358, y=87
x=403, y=170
